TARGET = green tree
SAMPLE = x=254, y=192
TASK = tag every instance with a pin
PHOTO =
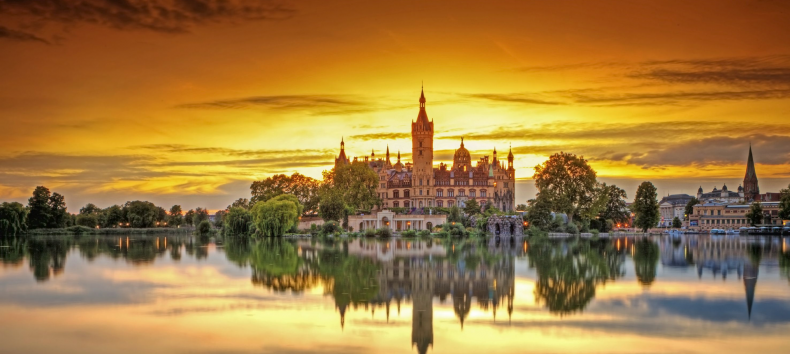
x=204, y=227
x=40, y=211
x=539, y=213
x=140, y=214
x=59, y=216
x=237, y=221
x=357, y=184
x=616, y=208
x=219, y=218
x=690, y=206
x=784, y=203
x=569, y=184
x=112, y=216
x=755, y=214
x=645, y=206
x=12, y=219
x=175, y=217
x=88, y=219
x=676, y=223
x=200, y=215
x=521, y=207
x=90, y=208
x=276, y=216
x=455, y=215
x=306, y=190
x=332, y=207
x=240, y=203
x=189, y=217
x=472, y=207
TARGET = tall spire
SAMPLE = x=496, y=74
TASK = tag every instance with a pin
x=750, y=165
x=462, y=141
x=398, y=155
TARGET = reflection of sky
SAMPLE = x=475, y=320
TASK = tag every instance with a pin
x=210, y=306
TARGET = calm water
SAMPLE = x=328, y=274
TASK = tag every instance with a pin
x=181, y=294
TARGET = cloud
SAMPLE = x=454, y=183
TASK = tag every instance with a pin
x=520, y=98
x=381, y=136
x=315, y=104
x=166, y=16
x=14, y=35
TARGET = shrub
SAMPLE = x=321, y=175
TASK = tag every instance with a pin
x=571, y=228
x=330, y=227
x=424, y=233
x=384, y=232
x=204, y=228
x=370, y=232
x=443, y=234
x=409, y=233
x=455, y=230
x=237, y=221
x=80, y=229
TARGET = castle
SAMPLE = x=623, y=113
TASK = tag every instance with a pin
x=420, y=184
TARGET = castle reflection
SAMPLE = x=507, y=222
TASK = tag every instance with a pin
x=379, y=276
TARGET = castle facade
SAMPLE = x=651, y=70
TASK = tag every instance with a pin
x=419, y=184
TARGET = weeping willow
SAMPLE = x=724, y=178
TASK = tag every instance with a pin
x=12, y=219
x=277, y=215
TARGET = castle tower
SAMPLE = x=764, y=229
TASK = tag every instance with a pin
x=510, y=159
x=342, y=159
x=751, y=191
x=422, y=309
x=422, y=156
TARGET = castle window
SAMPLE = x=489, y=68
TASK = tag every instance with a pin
x=420, y=191
x=420, y=181
x=395, y=194
x=461, y=193
x=406, y=204
x=405, y=193
x=450, y=203
x=439, y=193
x=483, y=193
x=395, y=204
x=439, y=203
x=472, y=194
x=451, y=193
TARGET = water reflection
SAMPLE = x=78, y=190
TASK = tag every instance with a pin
x=476, y=282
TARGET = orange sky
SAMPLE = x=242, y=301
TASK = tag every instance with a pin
x=186, y=102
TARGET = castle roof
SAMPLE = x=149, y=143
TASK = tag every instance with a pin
x=750, y=172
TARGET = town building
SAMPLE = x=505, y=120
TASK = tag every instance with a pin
x=709, y=216
x=748, y=192
x=671, y=207
x=419, y=184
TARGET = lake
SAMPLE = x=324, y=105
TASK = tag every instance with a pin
x=184, y=294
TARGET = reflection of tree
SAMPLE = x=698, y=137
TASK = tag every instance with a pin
x=646, y=256
x=276, y=265
x=47, y=255
x=784, y=264
x=569, y=273
x=12, y=251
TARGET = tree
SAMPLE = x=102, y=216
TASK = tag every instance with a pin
x=472, y=207
x=690, y=206
x=12, y=219
x=276, y=216
x=88, y=219
x=332, y=207
x=568, y=183
x=189, y=216
x=646, y=206
x=521, y=207
x=200, y=215
x=306, y=189
x=176, y=217
x=112, y=216
x=539, y=212
x=240, y=203
x=219, y=218
x=616, y=208
x=357, y=183
x=140, y=214
x=59, y=217
x=237, y=221
x=90, y=208
x=784, y=203
x=40, y=211
x=676, y=223
x=755, y=214
x=455, y=215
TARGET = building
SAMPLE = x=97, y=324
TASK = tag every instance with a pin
x=671, y=207
x=721, y=196
x=419, y=184
x=748, y=192
x=709, y=216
